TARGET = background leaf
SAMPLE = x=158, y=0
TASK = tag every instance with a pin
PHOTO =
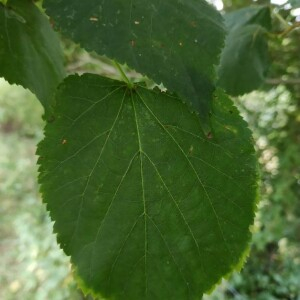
x=173, y=42
x=30, y=53
x=245, y=59
x=294, y=3
x=259, y=15
x=143, y=201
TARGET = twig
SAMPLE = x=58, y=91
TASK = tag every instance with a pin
x=282, y=81
x=290, y=28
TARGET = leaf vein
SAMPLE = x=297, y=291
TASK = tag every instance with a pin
x=95, y=165
x=193, y=169
x=143, y=191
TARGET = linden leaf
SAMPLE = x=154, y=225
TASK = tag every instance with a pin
x=146, y=204
x=245, y=58
x=30, y=53
x=173, y=42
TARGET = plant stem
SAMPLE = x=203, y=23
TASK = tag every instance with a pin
x=290, y=28
x=123, y=75
x=277, y=81
x=283, y=22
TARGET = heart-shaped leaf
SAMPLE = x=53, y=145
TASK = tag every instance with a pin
x=146, y=204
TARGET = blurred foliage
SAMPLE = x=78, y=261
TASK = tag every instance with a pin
x=32, y=265
x=273, y=267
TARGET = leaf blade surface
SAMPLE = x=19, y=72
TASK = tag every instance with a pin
x=30, y=53
x=245, y=59
x=173, y=42
x=142, y=199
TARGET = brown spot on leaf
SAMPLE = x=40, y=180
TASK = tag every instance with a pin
x=209, y=135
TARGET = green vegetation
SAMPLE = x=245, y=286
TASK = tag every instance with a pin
x=145, y=125
x=261, y=51
x=32, y=266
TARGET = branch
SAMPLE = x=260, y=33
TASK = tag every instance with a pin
x=282, y=81
x=290, y=28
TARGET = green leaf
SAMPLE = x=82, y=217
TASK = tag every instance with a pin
x=245, y=58
x=146, y=205
x=294, y=3
x=259, y=15
x=173, y=42
x=30, y=53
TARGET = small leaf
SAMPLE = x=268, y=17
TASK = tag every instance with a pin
x=146, y=204
x=245, y=58
x=259, y=15
x=173, y=42
x=30, y=53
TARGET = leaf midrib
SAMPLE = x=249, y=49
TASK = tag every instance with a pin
x=193, y=169
x=143, y=190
